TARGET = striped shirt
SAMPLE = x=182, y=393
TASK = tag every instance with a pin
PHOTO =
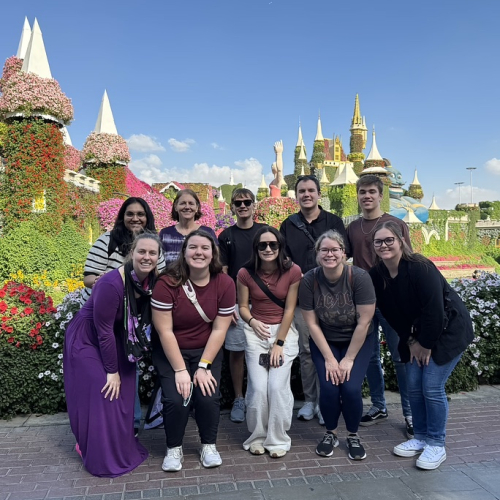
x=191, y=331
x=98, y=262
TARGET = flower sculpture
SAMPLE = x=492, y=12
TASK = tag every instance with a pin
x=32, y=95
x=72, y=158
x=105, y=149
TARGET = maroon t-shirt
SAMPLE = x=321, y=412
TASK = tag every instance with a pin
x=263, y=308
x=361, y=239
x=217, y=298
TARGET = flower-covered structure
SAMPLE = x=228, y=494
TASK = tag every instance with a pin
x=104, y=148
x=72, y=158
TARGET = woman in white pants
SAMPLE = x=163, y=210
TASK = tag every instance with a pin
x=270, y=281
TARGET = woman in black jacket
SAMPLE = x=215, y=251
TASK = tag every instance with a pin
x=434, y=329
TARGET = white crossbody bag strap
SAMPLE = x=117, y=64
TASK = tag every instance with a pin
x=191, y=295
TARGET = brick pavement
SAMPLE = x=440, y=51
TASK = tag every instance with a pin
x=38, y=461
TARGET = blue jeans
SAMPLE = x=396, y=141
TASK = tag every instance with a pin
x=428, y=399
x=137, y=402
x=374, y=373
x=344, y=398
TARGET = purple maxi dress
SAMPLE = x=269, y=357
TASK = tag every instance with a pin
x=94, y=346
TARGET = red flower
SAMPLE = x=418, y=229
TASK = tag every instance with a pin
x=39, y=340
x=2, y=293
x=28, y=310
x=18, y=344
x=9, y=329
x=42, y=310
x=38, y=326
x=10, y=340
x=3, y=307
x=14, y=310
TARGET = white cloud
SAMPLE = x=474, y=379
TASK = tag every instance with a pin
x=217, y=146
x=493, y=166
x=147, y=169
x=248, y=171
x=180, y=146
x=450, y=199
x=144, y=143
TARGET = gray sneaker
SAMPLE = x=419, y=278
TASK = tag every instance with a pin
x=238, y=411
x=173, y=459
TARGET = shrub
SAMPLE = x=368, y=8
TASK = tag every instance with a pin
x=274, y=211
x=30, y=352
x=105, y=148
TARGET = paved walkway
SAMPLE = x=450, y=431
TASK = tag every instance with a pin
x=38, y=461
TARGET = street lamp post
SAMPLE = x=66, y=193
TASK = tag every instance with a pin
x=459, y=184
x=470, y=169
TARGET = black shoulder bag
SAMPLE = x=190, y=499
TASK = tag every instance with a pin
x=297, y=222
x=265, y=289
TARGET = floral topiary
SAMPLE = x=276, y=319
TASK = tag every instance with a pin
x=72, y=158
x=274, y=211
x=11, y=67
x=105, y=148
x=31, y=94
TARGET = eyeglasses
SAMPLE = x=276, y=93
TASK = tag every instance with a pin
x=238, y=203
x=141, y=215
x=326, y=251
x=387, y=241
x=273, y=245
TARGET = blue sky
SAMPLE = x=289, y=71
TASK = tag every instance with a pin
x=202, y=87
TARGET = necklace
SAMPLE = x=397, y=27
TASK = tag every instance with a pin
x=266, y=277
x=374, y=225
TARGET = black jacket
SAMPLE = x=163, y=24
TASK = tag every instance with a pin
x=299, y=247
x=421, y=298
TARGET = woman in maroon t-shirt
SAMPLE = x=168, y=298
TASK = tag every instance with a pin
x=193, y=302
x=271, y=341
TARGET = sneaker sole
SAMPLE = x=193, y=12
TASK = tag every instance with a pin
x=303, y=418
x=211, y=466
x=330, y=454
x=237, y=420
x=357, y=457
x=406, y=453
x=373, y=422
x=430, y=466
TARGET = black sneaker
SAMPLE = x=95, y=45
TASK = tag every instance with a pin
x=327, y=444
x=356, y=450
x=409, y=427
x=373, y=416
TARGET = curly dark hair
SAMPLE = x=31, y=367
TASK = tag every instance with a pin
x=178, y=271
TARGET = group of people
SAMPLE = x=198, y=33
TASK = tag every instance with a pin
x=266, y=296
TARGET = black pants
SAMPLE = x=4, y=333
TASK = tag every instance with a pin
x=175, y=414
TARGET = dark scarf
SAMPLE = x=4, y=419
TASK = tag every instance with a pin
x=137, y=322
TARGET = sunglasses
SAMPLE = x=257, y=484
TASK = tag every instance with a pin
x=387, y=241
x=238, y=203
x=273, y=245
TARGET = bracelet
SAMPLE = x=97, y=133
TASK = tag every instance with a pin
x=248, y=322
x=203, y=360
x=178, y=371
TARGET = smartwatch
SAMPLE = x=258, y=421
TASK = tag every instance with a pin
x=280, y=343
x=205, y=365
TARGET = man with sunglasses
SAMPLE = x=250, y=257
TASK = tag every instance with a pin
x=360, y=232
x=301, y=231
x=235, y=245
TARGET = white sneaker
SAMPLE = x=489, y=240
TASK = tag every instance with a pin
x=320, y=417
x=307, y=411
x=409, y=448
x=210, y=456
x=173, y=459
x=431, y=458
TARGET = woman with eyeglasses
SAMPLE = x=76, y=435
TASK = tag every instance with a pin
x=434, y=329
x=338, y=303
x=193, y=302
x=270, y=281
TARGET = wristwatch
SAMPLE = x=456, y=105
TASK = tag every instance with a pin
x=280, y=343
x=205, y=365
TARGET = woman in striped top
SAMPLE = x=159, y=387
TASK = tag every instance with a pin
x=193, y=302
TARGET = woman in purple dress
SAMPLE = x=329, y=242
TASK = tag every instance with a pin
x=186, y=210
x=99, y=378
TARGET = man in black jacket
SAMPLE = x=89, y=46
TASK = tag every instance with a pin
x=301, y=231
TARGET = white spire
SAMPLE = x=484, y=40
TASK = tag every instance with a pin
x=415, y=179
x=411, y=217
x=105, y=121
x=300, y=141
x=263, y=184
x=66, y=137
x=302, y=171
x=25, y=39
x=434, y=205
x=374, y=154
x=231, y=179
x=319, y=133
x=324, y=178
x=221, y=196
x=35, y=59
x=346, y=175
x=302, y=155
